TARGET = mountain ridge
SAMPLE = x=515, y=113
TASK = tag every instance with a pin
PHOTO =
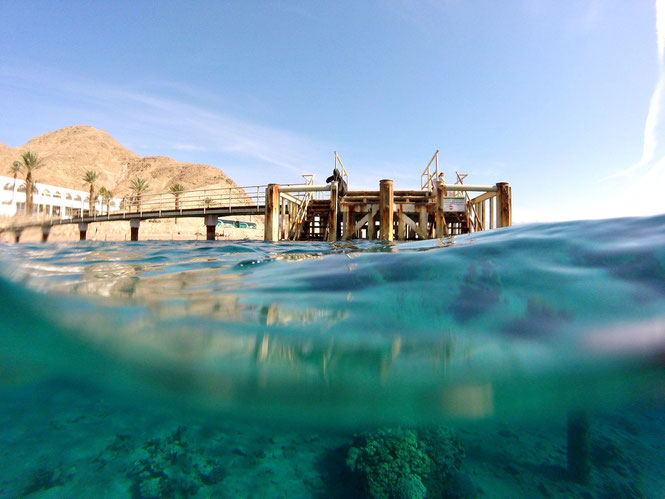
x=69, y=152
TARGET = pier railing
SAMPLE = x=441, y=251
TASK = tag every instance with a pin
x=224, y=197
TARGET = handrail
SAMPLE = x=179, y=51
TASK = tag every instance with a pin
x=300, y=216
x=343, y=173
x=427, y=179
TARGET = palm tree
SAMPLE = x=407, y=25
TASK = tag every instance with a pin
x=15, y=168
x=139, y=186
x=90, y=177
x=30, y=162
x=176, y=190
x=106, y=196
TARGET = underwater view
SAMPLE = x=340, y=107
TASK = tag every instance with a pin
x=515, y=363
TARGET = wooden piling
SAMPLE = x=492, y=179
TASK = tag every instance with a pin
x=272, y=213
x=440, y=217
x=386, y=208
x=134, y=225
x=503, y=205
x=17, y=236
x=332, y=219
x=401, y=226
x=46, y=230
x=422, y=222
x=83, y=229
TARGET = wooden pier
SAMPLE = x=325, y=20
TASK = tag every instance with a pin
x=327, y=212
x=385, y=214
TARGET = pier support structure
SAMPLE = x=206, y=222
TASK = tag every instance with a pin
x=386, y=208
x=272, y=213
x=17, y=236
x=504, y=205
x=134, y=225
x=83, y=229
x=440, y=217
x=46, y=230
x=211, y=226
x=332, y=219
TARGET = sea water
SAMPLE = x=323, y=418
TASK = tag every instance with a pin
x=226, y=369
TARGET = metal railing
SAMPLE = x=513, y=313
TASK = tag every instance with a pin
x=222, y=197
x=342, y=170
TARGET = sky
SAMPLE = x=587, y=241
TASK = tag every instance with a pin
x=565, y=100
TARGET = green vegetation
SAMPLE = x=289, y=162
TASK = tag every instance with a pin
x=30, y=162
x=106, y=195
x=15, y=169
x=139, y=186
x=176, y=190
x=90, y=177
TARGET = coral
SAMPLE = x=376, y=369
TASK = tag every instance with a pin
x=404, y=463
x=410, y=487
x=170, y=468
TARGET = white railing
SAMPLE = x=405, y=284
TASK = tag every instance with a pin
x=428, y=177
x=342, y=170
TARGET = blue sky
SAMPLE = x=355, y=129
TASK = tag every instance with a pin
x=563, y=99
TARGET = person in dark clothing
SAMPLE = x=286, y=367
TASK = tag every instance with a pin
x=341, y=183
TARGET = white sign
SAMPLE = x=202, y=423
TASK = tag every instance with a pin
x=454, y=205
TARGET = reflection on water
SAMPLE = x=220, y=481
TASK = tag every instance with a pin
x=511, y=322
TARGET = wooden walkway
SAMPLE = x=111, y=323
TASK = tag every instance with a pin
x=327, y=212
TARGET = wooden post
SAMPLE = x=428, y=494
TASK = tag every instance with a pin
x=211, y=226
x=134, y=225
x=17, y=236
x=422, y=222
x=349, y=222
x=386, y=208
x=441, y=225
x=503, y=205
x=284, y=225
x=579, y=447
x=332, y=219
x=83, y=229
x=492, y=220
x=46, y=230
x=272, y=213
x=401, y=226
x=371, y=227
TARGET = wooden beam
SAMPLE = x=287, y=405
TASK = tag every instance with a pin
x=423, y=223
x=483, y=197
x=406, y=220
x=441, y=225
x=369, y=217
x=272, y=213
x=504, y=205
x=332, y=219
x=401, y=226
x=386, y=209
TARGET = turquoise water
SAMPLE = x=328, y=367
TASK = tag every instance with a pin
x=214, y=369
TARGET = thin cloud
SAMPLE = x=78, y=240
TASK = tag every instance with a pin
x=188, y=147
x=169, y=122
x=653, y=123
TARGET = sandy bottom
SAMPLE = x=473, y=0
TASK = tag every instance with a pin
x=164, y=229
x=64, y=440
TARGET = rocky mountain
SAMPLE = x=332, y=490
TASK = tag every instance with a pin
x=69, y=152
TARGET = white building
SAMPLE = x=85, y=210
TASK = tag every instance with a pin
x=48, y=200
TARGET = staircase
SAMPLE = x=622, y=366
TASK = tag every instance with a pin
x=315, y=227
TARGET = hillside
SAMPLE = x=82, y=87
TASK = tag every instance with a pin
x=69, y=152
